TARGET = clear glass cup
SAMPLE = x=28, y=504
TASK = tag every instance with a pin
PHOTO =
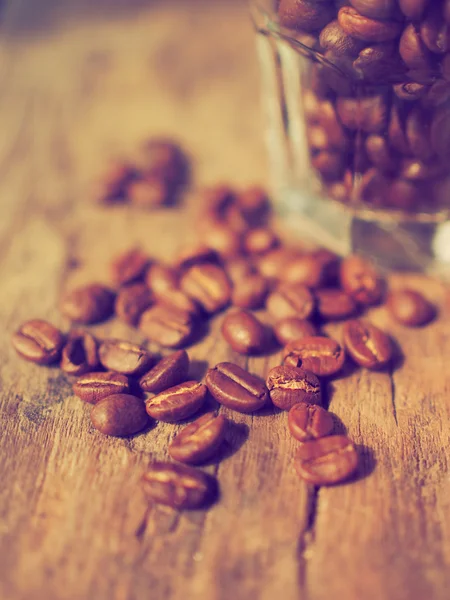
x=358, y=126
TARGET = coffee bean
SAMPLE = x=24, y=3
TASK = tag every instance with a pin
x=88, y=304
x=410, y=308
x=178, y=486
x=239, y=270
x=333, y=305
x=367, y=345
x=413, y=51
x=330, y=165
x=245, y=333
x=305, y=15
x=112, y=186
x=161, y=278
x=397, y=131
x=38, y=341
x=290, y=329
x=236, y=388
x=195, y=254
x=124, y=357
x=131, y=301
x=179, y=301
x=96, y=386
x=327, y=460
x=403, y=195
x=199, y=440
x=366, y=29
x=368, y=114
x=434, y=31
x=361, y=280
x=150, y=192
x=381, y=154
x=79, y=355
x=290, y=300
x=413, y=9
x=167, y=373
x=129, y=267
x=254, y=205
x=208, y=285
x=289, y=385
x=418, y=133
x=271, y=264
x=119, y=415
x=250, y=292
x=417, y=170
x=178, y=402
x=221, y=238
x=380, y=61
x=167, y=326
x=332, y=37
x=260, y=240
x=323, y=356
x=309, y=421
x=376, y=9
x=410, y=91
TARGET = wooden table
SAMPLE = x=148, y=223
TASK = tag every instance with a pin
x=86, y=82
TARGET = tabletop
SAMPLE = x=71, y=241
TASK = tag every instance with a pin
x=81, y=83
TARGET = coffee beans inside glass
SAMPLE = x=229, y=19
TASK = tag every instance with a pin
x=357, y=101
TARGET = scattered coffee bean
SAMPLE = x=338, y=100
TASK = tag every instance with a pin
x=79, y=355
x=410, y=308
x=178, y=301
x=250, y=292
x=365, y=28
x=119, y=415
x=245, y=333
x=321, y=355
x=367, y=345
x=290, y=300
x=289, y=385
x=197, y=254
x=333, y=305
x=178, y=402
x=150, y=192
x=167, y=325
x=290, y=329
x=178, y=486
x=164, y=159
x=270, y=265
x=88, y=304
x=326, y=461
x=305, y=15
x=260, y=240
x=112, y=185
x=161, y=278
x=208, y=285
x=131, y=301
x=129, y=267
x=124, y=357
x=93, y=387
x=308, y=270
x=168, y=372
x=309, y=421
x=38, y=341
x=361, y=280
x=221, y=238
x=199, y=440
x=236, y=388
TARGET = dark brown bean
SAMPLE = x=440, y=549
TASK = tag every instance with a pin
x=167, y=326
x=149, y=192
x=129, y=267
x=96, y=386
x=380, y=61
x=112, y=185
x=38, y=341
x=376, y=9
x=367, y=345
x=305, y=15
x=195, y=254
x=434, y=30
x=178, y=402
x=250, y=292
x=413, y=51
x=403, y=195
x=381, y=154
x=88, y=304
x=260, y=240
x=410, y=91
x=289, y=385
x=333, y=305
x=290, y=300
x=326, y=461
x=221, y=238
x=367, y=114
x=245, y=333
x=168, y=372
x=410, y=308
x=119, y=415
x=178, y=300
x=80, y=354
x=323, y=356
x=199, y=440
x=164, y=159
x=397, y=131
x=208, y=285
x=366, y=29
x=330, y=165
x=236, y=388
x=271, y=264
x=361, y=280
x=254, y=205
x=417, y=170
x=306, y=269
x=290, y=329
x=332, y=37
x=131, y=301
x=161, y=278
x=309, y=421
x=413, y=9
x=178, y=486
x=418, y=133
x=124, y=357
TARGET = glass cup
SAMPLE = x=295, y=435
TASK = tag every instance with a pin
x=358, y=124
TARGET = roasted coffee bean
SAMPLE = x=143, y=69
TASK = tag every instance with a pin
x=413, y=9
x=361, y=280
x=290, y=300
x=321, y=355
x=403, y=195
x=376, y=9
x=333, y=305
x=236, y=388
x=271, y=264
x=373, y=188
x=239, y=269
x=119, y=415
x=434, y=30
x=161, y=278
x=254, y=205
x=178, y=486
x=366, y=29
x=381, y=154
x=124, y=357
x=250, y=292
x=413, y=51
x=199, y=440
x=112, y=186
x=131, y=301
x=367, y=345
x=305, y=15
x=380, y=61
x=289, y=385
x=195, y=254
x=88, y=304
x=410, y=308
x=150, y=191
x=332, y=37
x=221, y=238
x=217, y=199
x=306, y=269
x=168, y=372
x=167, y=326
x=327, y=460
x=260, y=240
x=410, y=91
x=291, y=328
x=208, y=285
x=309, y=421
x=96, y=386
x=245, y=333
x=38, y=341
x=368, y=114
x=178, y=300
x=164, y=159
x=129, y=267
x=330, y=165
x=178, y=402
x=80, y=354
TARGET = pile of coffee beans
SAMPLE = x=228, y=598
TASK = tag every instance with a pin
x=239, y=265
x=376, y=98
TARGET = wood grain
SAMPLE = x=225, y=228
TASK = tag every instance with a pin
x=77, y=87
